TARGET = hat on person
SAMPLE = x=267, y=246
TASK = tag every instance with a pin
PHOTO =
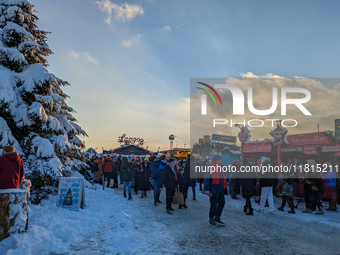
x=265, y=159
x=146, y=159
x=9, y=148
x=216, y=157
x=310, y=161
x=171, y=159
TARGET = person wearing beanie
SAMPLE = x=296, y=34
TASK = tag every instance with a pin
x=144, y=178
x=214, y=184
x=127, y=169
x=108, y=167
x=11, y=169
x=156, y=168
x=170, y=181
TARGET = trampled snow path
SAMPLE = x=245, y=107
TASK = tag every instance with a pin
x=110, y=224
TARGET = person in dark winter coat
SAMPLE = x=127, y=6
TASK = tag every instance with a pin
x=144, y=178
x=137, y=166
x=329, y=180
x=127, y=169
x=120, y=161
x=170, y=181
x=94, y=165
x=200, y=175
x=313, y=188
x=108, y=168
x=248, y=183
x=234, y=181
x=214, y=187
x=11, y=169
x=116, y=169
x=184, y=182
x=190, y=163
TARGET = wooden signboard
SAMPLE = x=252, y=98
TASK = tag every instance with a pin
x=71, y=193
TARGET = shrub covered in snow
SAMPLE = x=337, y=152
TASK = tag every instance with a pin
x=34, y=116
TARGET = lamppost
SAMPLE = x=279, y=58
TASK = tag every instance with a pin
x=278, y=134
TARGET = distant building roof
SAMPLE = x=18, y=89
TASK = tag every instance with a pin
x=131, y=149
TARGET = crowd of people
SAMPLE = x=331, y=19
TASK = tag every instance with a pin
x=157, y=172
x=144, y=174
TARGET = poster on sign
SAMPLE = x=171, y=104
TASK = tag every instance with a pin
x=71, y=193
x=310, y=150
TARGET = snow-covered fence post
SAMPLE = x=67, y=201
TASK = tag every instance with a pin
x=13, y=211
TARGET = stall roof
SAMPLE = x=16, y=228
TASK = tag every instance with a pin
x=131, y=149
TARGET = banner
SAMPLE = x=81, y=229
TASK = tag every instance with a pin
x=308, y=139
x=328, y=148
x=224, y=138
x=257, y=147
x=310, y=150
x=292, y=149
x=71, y=193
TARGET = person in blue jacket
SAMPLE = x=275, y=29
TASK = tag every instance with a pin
x=156, y=175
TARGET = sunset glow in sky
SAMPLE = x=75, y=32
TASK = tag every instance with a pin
x=130, y=62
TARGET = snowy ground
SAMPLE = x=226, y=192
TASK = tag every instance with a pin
x=110, y=224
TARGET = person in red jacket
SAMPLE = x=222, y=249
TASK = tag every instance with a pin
x=108, y=165
x=11, y=169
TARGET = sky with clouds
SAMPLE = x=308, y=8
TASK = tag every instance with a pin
x=130, y=62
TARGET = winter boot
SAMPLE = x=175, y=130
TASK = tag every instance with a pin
x=319, y=212
x=212, y=223
x=194, y=198
x=218, y=221
x=245, y=208
x=281, y=209
x=292, y=211
x=155, y=203
x=124, y=194
x=180, y=207
x=142, y=195
x=169, y=211
x=332, y=207
x=307, y=211
x=251, y=211
x=185, y=206
x=130, y=197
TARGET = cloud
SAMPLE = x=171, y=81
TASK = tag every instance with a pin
x=84, y=56
x=133, y=41
x=121, y=12
x=180, y=27
x=165, y=29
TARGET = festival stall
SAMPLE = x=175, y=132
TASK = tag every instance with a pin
x=127, y=150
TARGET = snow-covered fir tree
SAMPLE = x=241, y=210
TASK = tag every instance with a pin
x=34, y=116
